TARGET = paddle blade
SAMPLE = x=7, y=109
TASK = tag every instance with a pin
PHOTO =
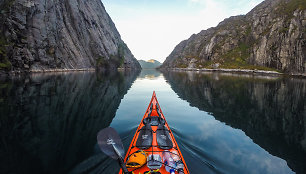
x=110, y=143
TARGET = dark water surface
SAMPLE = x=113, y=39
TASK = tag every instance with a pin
x=223, y=123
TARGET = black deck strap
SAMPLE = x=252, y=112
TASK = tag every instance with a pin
x=145, y=137
x=151, y=107
x=154, y=121
x=158, y=110
x=163, y=137
x=146, y=120
x=162, y=121
x=150, y=110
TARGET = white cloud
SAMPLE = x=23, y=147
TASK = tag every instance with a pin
x=153, y=33
x=195, y=0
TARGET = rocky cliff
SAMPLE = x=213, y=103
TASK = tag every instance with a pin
x=60, y=34
x=272, y=35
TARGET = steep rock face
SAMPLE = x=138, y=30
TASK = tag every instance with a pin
x=271, y=35
x=272, y=112
x=60, y=34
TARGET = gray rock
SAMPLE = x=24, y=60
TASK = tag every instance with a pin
x=63, y=34
x=271, y=35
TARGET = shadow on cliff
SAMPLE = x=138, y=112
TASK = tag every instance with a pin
x=270, y=110
x=49, y=122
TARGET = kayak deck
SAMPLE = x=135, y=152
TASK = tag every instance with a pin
x=162, y=138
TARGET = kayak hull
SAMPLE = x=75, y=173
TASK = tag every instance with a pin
x=162, y=138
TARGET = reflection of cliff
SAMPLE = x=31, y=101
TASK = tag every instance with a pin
x=271, y=112
x=49, y=122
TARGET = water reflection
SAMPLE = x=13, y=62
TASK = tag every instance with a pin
x=271, y=111
x=149, y=74
x=49, y=122
x=235, y=122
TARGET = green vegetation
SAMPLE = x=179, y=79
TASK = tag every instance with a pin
x=51, y=51
x=273, y=47
x=114, y=60
x=121, y=48
x=247, y=66
x=237, y=56
x=248, y=30
x=291, y=6
x=287, y=9
x=120, y=54
x=207, y=64
x=284, y=30
x=117, y=59
x=100, y=61
x=179, y=64
x=6, y=5
x=5, y=64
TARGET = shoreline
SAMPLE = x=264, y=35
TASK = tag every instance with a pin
x=249, y=71
x=9, y=74
x=53, y=70
x=4, y=74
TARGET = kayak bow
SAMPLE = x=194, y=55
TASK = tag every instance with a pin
x=154, y=138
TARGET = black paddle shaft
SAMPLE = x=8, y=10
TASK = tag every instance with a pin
x=110, y=143
x=121, y=161
x=123, y=166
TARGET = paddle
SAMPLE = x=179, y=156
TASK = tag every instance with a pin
x=110, y=143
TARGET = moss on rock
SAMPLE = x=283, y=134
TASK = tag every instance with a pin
x=5, y=64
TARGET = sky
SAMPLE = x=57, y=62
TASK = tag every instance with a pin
x=152, y=28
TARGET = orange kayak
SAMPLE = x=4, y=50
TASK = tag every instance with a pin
x=154, y=138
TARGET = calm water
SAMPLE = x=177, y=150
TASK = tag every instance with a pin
x=224, y=123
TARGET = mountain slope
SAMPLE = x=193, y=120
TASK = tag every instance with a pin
x=60, y=34
x=271, y=35
x=150, y=64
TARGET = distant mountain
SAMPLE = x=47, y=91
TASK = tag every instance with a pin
x=150, y=64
